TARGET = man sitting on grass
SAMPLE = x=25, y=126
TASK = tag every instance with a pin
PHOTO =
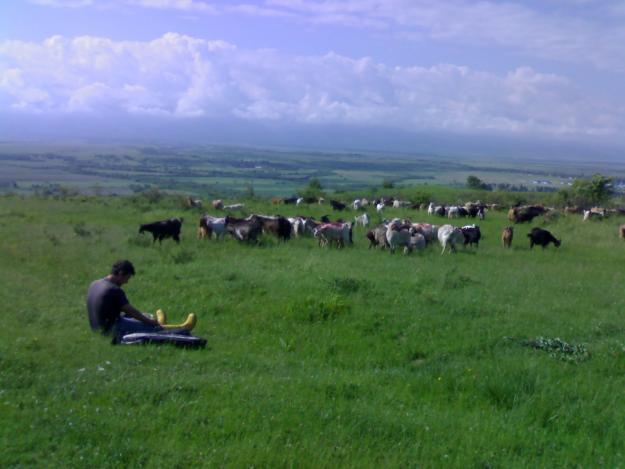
x=106, y=301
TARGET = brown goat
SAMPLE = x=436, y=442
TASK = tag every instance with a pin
x=506, y=236
x=525, y=213
x=621, y=231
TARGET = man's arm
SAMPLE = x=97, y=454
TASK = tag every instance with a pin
x=138, y=315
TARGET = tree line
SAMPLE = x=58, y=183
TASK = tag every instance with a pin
x=584, y=192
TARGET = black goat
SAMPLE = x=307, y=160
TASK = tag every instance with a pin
x=542, y=238
x=163, y=229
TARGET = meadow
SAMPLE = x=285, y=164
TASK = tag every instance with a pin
x=315, y=357
x=216, y=171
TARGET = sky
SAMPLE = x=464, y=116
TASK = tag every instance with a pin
x=398, y=74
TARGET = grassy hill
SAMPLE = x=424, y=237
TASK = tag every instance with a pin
x=315, y=357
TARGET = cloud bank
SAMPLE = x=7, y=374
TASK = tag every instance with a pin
x=588, y=32
x=184, y=77
x=589, y=35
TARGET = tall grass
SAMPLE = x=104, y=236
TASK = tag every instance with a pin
x=315, y=357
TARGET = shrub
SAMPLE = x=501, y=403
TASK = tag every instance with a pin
x=153, y=195
x=81, y=230
x=421, y=197
x=594, y=191
x=474, y=182
x=388, y=184
x=346, y=285
x=557, y=348
x=183, y=257
x=313, y=189
x=140, y=240
x=52, y=238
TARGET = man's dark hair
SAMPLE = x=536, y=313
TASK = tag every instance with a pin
x=123, y=267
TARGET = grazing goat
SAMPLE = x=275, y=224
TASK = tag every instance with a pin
x=210, y=225
x=278, y=226
x=193, y=203
x=449, y=235
x=472, y=235
x=429, y=232
x=573, y=209
x=163, y=229
x=297, y=226
x=506, y=236
x=362, y=220
x=336, y=205
x=309, y=225
x=399, y=235
x=418, y=242
x=401, y=204
x=542, y=238
x=525, y=213
x=377, y=237
x=233, y=207
x=594, y=215
x=456, y=212
x=453, y=212
x=440, y=210
x=244, y=229
x=475, y=209
x=339, y=233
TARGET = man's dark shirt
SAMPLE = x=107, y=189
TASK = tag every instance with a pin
x=104, y=303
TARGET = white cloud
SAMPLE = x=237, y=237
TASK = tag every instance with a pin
x=588, y=32
x=185, y=5
x=186, y=77
x=255, y=10
x=588, y=36
x=62, y=3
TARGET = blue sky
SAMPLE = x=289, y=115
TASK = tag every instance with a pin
x=550, y=70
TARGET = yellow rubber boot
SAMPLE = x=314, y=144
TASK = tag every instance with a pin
x=188, y=324
x=160, y=317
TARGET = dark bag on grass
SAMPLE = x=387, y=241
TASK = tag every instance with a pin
x=181, y=338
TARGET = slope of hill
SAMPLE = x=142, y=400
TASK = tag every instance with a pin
x=316, y=357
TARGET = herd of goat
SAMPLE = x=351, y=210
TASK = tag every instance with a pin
x=389, y=234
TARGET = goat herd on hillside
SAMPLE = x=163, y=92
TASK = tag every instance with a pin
x=389, y=234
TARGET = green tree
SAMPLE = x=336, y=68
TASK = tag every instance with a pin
x=249, y=190
x=313, y=189
x=474, y=182
x=153, y=195
x=596, y=190
x=564, y=197
x=388, y=184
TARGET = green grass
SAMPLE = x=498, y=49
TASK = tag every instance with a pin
x=315, y=357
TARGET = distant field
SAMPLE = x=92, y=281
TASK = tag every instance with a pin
x=316, y=357
x=205, y=170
